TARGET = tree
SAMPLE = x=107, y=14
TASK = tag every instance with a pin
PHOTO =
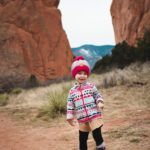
x=143, y=47
x=123, y=54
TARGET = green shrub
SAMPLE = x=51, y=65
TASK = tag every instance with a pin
x=56, y=106
x=124, y=54
x=143, y=47
x=16, y=91
x=3, y=99
x=135, y=140
x=66, y=88
x=103, y=64
x=32, y=81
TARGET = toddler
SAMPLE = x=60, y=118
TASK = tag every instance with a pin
x=85, y=103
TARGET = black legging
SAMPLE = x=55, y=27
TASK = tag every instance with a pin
x=83, y=136
x=97, y=135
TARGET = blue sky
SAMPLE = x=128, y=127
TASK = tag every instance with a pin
x=87, y=22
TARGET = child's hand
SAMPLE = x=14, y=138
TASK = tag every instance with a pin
x=100, y=106
x=71, y=122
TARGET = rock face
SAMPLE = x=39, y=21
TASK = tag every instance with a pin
x=32, y=41
x=130, y=19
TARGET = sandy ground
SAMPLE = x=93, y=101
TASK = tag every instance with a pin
x=16, y=135
x=126, y=124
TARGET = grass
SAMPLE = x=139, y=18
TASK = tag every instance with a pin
x=135, y=140
x=56, y=105
x=3, y=99
x=51, y=100
x=130, y=133
x=116, y=133
x=16, y=91
x=128, y=76
x=115, y=78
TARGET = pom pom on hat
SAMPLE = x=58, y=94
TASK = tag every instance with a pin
x=78, y=65
x=79, y=58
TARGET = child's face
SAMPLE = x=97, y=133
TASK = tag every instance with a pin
x=81, y=77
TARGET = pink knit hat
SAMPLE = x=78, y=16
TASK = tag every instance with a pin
x=78, y=65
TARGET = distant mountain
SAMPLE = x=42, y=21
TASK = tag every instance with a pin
x=92, y=53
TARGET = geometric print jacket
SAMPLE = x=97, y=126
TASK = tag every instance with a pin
x=82, y=102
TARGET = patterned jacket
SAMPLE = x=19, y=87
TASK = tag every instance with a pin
x=82, y=102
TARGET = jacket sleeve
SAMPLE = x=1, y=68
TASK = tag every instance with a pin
x=96, y=95
x=70, y=107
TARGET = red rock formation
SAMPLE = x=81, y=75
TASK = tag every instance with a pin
x=32, y=41
x=130, y=19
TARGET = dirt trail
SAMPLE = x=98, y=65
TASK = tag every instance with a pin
x=16, y=135
x=126, y=125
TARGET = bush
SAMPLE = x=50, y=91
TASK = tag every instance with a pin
x=143, y=47
x=16, y=91
x=103, y=64
x=124, y=54
x=56, y=106
x=3, y=99
x=114, y=78
x=32, y=82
